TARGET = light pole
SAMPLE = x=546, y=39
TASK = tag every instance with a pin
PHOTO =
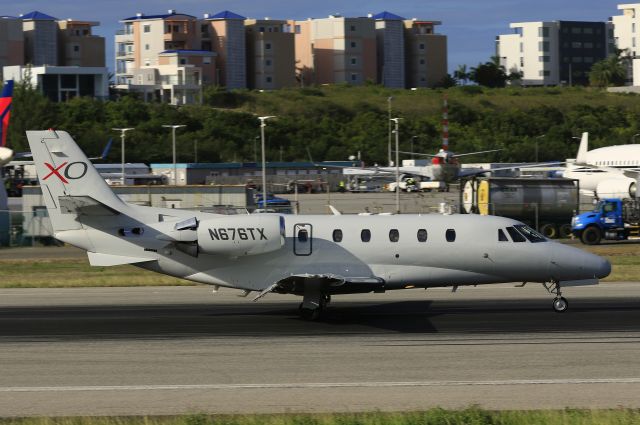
x=413, y=139
x=538, y=137
x=397, y=162
x=389, y=99
x=633, y=138
x=175, y=166
x=264, y=167
x=122, y=136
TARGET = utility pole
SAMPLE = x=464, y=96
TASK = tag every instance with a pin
x=264, y=169
x=175, y=165
x=397, y=131
x=122, y=137
x=389, y=99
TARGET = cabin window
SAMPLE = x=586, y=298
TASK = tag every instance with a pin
x=394, y=235
x=337, y=235
x=303, y=235
x=515, y=235
x=422, y=235
x=365, y=235
x=501, y=236
x=450, y=235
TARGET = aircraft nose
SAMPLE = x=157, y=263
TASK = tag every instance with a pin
x=602, y=268
x=569, y=263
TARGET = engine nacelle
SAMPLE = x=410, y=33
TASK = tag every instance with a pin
x=237, y=235
x=623, y=188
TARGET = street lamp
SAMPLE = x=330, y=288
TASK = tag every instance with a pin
x=389, y=99
x=538, y=137
x=122, y=136
x=413, y=139
x=264, y=168
x=397, y=162
x=633, y=138
x=175, y=166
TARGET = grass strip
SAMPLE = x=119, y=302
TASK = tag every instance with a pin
x=437, y=416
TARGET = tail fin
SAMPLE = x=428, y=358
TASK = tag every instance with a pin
x=68, y=179
x=5, y=111
x=581, y=158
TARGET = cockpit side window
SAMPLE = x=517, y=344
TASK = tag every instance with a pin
x=515, y=235
x=530, y=234
x=501, y=236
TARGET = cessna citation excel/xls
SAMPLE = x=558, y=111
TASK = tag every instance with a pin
x=315, y=256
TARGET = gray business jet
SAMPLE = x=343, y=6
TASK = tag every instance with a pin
x=315, y=256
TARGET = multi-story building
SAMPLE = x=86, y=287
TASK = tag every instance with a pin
x=336, y=50
x=224, y=33
x=553, y=53
x=62, y=58
x=11, y=42
x=626, y=30
x=425, y=53
x=270, y=54
x=391, y=49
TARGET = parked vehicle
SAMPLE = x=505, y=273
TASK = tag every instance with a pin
x=548, y=205
x=273, y=204
x=612, y=219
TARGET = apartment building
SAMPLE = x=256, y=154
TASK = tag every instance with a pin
x=11, y=42
x=554, y=52
x=391, y=49
x=626, y=29
x=224, y=33
x=425, y=53
x=270, y=54
x=62, y=58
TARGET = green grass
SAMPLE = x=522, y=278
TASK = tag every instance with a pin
x=69, y=273
x=471, y=416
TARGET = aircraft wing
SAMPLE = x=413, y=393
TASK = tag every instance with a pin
x=477, y=172
x=333, y=283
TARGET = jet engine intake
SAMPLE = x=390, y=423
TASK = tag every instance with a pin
x=616, y=188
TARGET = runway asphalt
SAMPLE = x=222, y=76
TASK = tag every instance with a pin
x=169, y=350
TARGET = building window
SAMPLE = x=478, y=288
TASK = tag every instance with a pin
x=365, y=235
x=268, y=79
x=521, y=62
x=394, y=235
x=337, y=235
x=261, y=29
x=422, y=235
x=576, y=59
x=450, y=235
x=354, y=77
x=183, y=61
x=588, y=59
x=76, y=48
x=298, y=29
x=633, y=27
x=353, y=27
x=576, y=44
x=543, y=32
x=206, y=60
x=543, y=46
x=146, y=47
x=422, y=62
x=588, y=30
x=521, y=47
x=421, y=46
x=353, y=44
x=147, y=62
x=267, y=62
x=576, y=30
x=267, y=46
x=354, y=61
x=546, y=73
x=588, y=45
x=147, y=28
x=544, y=58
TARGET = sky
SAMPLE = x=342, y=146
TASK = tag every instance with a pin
x=471, y=25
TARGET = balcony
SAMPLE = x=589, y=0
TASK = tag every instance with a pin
x=174, y=80
x=176, y=36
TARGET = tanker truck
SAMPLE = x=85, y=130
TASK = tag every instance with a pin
x=547, y=205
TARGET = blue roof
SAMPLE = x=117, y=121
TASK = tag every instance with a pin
x=225, y=14
x=387, y=16
x=37, y=16
x=163, y=16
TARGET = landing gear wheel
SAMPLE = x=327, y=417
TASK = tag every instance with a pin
x=560, y=304
x=311, y=314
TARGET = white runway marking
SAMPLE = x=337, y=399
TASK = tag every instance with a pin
x=312, y=385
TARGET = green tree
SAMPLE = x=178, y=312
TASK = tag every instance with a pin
x=611, y=71
x=489, y=74
x=462, y=74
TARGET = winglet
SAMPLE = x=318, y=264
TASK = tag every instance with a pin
x=583, y=149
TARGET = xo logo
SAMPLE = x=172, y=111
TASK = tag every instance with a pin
x=72, y=171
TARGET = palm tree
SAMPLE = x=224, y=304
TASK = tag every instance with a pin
x=461, y=74
x=611, y=71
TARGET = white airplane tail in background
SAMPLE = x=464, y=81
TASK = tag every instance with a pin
x=583, y=149
x=70, y=183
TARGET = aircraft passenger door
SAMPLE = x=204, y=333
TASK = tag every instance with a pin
x=302, y=239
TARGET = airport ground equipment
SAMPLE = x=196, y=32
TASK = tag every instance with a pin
x=314, y=256
x=548, y=205
x=612, y=219
x=410, y=183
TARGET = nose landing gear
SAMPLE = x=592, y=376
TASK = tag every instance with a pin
x=560, y=303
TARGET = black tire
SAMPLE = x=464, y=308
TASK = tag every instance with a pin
x=310, y=314
x=549, y=230
x=591, y=236
x=565, y=230
x=560, y=305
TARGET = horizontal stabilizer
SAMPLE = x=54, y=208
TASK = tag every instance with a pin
x=84, y=205
x=99, y=259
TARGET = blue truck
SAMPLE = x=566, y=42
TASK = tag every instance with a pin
x=611, y=219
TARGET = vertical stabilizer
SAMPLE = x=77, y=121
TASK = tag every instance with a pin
x=583, y=149
x=65, y=172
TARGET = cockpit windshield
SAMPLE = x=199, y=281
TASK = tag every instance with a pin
x=530, y=234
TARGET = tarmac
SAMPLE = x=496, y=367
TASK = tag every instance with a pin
x=172, y=350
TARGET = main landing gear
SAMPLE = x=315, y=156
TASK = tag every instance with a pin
x=560, y=303
x=314, y=300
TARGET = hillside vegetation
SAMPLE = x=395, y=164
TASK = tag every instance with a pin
x=333, y=122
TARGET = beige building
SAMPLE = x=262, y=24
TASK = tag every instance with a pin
x=335, y=50
x=11, y=42
x=270, y=54
x=77, y=46
x=224, y=33
x=425, y=53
